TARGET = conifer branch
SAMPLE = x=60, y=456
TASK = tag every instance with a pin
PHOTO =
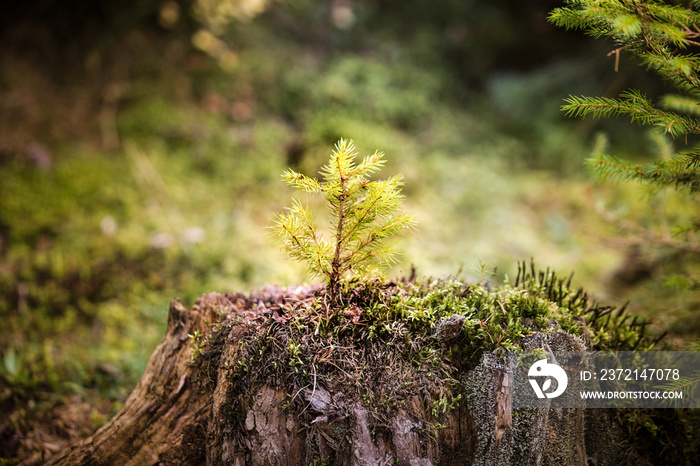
x=664, y=35
x=635, y=105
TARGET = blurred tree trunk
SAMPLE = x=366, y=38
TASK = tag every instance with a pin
x=173, y=418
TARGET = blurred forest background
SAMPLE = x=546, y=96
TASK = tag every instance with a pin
x=142, y=143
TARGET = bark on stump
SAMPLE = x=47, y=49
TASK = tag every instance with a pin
x=171, y=418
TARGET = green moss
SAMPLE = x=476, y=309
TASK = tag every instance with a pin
x=386, y=345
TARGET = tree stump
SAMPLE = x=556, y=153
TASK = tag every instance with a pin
x=187, y=411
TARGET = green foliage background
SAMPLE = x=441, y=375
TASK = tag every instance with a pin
x=165, y=185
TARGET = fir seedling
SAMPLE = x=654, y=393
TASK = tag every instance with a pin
x=364, y=214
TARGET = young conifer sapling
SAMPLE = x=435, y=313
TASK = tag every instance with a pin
x=364, y=214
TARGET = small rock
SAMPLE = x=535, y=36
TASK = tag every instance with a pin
x=449, y=329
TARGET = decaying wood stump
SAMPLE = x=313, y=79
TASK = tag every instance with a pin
x=181, y=413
